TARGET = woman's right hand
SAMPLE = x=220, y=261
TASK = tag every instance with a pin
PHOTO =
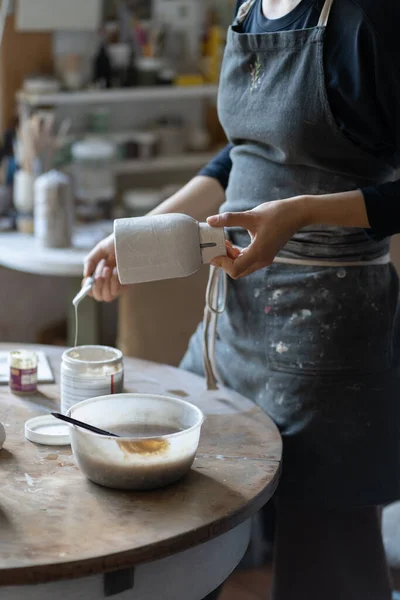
x=101, y=264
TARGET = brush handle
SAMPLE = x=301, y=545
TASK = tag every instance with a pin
x=84, y=291
x=82, y=425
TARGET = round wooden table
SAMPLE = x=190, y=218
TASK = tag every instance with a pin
x=61, y=534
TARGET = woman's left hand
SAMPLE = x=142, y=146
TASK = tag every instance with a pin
x=270, y=225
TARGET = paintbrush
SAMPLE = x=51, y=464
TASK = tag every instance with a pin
x=83, y=425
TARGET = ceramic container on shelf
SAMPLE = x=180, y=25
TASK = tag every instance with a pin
x=172, y=137
x=54, y=210
x=93, y=168
x=147, y=69
x=24, y=192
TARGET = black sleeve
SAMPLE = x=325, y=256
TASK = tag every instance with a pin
x=383, y=201
x=220, y=167
x=383, y=209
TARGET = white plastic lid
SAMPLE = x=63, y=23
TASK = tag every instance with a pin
x=144, y=137
x=93, y=149
x=149, y=63
x=47, y=431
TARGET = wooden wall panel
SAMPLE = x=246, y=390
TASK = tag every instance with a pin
x=21, y=54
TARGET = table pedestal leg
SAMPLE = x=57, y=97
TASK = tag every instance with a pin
x=89, y=318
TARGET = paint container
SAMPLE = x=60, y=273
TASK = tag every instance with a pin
x=24, y=192
x=88, y=372
x=23, y=372
x=148, y=69
x=172, y=137
x=143, y=145
x=94, y=170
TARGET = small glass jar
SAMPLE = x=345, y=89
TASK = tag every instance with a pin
x=23, y=372
x=89, y=372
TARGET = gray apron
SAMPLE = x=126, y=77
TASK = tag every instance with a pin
x=311, y=339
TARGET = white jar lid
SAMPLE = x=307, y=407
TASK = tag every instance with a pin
x=92, y=149
x=120, y=54
x=41, y=85
x=144, y=137
x=48, y=431
x=148, y=63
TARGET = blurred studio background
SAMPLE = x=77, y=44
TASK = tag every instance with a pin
x=120, y=97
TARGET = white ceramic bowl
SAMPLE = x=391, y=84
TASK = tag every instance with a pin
x=139, y=463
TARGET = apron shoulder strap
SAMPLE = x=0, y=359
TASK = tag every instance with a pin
x=244, y=10
x=326, y=11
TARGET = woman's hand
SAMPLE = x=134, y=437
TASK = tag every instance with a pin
x=101, y=264
x=270, y=225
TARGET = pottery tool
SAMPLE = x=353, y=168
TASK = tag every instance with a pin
x=82, y=425
x=85, y=291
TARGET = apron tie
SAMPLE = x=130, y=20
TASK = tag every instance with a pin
x=213, y=308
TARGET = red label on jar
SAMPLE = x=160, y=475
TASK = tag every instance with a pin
x=23, y=380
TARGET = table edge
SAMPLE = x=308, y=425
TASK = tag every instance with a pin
x=51, y=573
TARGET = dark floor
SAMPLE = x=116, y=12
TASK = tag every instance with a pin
x=254, y=585
x=248, y=585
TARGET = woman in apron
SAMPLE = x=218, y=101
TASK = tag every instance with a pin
x=311, y=310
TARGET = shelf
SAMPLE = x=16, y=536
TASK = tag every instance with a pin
x=156, y=93
x=165, y=163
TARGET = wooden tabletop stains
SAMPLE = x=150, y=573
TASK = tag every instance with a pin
x=55, y=524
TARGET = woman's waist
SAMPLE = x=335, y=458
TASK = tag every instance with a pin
x=339, y=245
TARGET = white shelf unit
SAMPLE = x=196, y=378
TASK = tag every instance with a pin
x=164, y=163
x=145, y=94
x=129, y=103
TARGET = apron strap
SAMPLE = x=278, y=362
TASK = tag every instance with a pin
x=243, y=11
x=326, y=10
x=212, y=310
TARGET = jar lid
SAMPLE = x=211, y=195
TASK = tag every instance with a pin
x=149, y=63
x=20, y=358
x=41, y=84
x=144, y=137
x=92, y=355
x=93, y=150
x=48, y=431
